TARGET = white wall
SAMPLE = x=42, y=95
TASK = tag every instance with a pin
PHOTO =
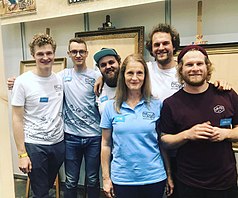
x=219, y=26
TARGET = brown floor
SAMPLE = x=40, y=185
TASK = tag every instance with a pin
x=20, y=190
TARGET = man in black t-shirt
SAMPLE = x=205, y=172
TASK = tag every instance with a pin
x=200, y=121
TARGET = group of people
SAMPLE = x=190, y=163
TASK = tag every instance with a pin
x=163, y=126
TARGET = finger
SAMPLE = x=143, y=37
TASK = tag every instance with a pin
x=216, y=84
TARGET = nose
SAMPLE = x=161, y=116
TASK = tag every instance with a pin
x=134, y=77
x=108, y=66
x=45, y=56
x=161, y=46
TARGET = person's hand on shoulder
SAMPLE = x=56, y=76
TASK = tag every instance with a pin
x=222, y=85
x=98, y=86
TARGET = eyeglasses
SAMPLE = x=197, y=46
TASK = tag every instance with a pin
x=76, y=52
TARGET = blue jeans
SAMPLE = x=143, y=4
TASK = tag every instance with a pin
x=77, y=148
x=46, y=161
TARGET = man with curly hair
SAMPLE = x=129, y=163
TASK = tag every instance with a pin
x=37, y=99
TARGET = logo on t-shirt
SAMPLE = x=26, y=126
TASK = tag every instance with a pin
x=175, y=85
x=148, y=115
x=219, y=109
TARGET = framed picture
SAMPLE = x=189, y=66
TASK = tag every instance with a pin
x=16, y=7
x=28, y=65
x=125, y=41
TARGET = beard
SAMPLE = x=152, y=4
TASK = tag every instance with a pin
x=111, y=81
x=165, y=60
x=195, y=83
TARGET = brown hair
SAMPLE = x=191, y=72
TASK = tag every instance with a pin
x=77, y=40
x=167, y=29
x=40, y=40
x=122, y=90
x=208, y=63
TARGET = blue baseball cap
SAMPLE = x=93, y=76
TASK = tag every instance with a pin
x=104, y=52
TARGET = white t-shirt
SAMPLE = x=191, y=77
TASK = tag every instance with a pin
x=81, y=116
x=164, y=82
x=106, y=94
x=42, y=98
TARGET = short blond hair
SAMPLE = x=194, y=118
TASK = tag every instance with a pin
x=40, y=40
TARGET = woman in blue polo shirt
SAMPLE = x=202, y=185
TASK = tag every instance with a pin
x=128, y=124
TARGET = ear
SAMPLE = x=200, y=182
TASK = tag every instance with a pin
x=68, y=53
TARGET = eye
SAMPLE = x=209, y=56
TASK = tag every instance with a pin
x=103, y=65
x=111, y=62
x=40, y=54
x=49, y=53
x=156, y=44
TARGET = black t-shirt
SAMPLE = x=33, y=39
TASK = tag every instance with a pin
x=202, y=164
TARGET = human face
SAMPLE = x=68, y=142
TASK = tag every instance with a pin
x=78, y=54
x=109, y=68
x=134, y=75
x=44, y=57
x=194, y=69
x=162, y=48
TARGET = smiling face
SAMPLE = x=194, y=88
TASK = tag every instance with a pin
x=109, y=68
x=78, y=54
x=162, y=48
x=44, y=57
x=134, y=75
x=194, y=69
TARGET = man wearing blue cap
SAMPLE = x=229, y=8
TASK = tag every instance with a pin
x=201, y=122
x=108, y=61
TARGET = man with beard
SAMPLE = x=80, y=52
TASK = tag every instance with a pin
x=163, y=44
x=201, y=123
x=108, y=61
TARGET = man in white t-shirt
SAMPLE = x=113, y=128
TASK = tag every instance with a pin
x=108, y=62
x=37, y=100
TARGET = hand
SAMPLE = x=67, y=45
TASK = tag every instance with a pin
x=222, y=85
x=25, y=164
x=169, y=186
x=202, y=131
x=10, y=82
x=108, y=188
x=98, y=86
x=220, y=134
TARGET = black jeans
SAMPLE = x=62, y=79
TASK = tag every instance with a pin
x=155, y=190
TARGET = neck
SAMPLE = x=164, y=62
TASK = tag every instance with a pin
x=42, y=73
x=196, y=89
x=80, y=68
x=133, y=98
x=169, y=65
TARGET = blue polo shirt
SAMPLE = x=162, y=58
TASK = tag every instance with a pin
x=136, y=155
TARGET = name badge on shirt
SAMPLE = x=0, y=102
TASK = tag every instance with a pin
x=67, y=78
x=103, y=99
x=119, y=119
x=44, y=99
x=226, y=123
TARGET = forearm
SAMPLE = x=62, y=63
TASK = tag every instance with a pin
x=105, y=161
x=166, y=160
x=174, y=141
x=17, y=120
x=232, y=134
